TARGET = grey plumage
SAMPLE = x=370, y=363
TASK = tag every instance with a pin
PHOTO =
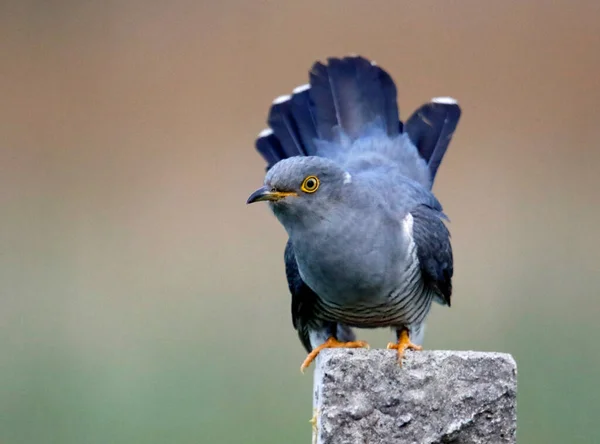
x=367, y=246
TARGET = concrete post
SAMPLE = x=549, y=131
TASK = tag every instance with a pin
x=364, y=396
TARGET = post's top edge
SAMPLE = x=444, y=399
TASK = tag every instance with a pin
x=425, y=355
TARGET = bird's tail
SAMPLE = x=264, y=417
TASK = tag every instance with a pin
x=292, y=128
x=349, y=95
x=430, y=129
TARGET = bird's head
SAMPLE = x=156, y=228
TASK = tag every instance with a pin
x=302, y=187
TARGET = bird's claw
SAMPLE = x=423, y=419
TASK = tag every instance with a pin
x=330, y=343
x=402, y=345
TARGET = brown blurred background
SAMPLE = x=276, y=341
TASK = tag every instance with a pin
x=142, y=301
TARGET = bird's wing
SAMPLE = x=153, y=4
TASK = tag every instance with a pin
x=434, y=251
x=304, y=320
x=303, y=298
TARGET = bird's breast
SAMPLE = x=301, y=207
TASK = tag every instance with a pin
x=347, y=266
x=369, y=280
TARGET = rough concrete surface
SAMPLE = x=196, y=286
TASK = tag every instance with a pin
x=364, y=396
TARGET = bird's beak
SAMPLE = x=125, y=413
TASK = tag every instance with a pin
x=265, y=193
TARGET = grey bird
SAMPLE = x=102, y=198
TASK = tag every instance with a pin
x=351, y=184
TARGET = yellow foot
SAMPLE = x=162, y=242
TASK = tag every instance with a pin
x=402, y=345
x=330, y=343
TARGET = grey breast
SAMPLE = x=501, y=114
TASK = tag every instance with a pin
x=407, y=302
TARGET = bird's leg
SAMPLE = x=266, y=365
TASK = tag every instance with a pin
x=330, y=343
x=403, y=344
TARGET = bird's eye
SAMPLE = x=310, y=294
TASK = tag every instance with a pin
x=310, y=184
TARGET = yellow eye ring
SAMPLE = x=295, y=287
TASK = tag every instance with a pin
x=310, y=184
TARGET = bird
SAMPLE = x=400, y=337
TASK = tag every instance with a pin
x=351, y=183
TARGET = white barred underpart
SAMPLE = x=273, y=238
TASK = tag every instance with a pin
x=406, y=306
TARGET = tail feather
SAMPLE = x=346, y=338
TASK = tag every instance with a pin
x=304, y=114
x=350, y=94
x=284, y=126
x=390, y=106
x=322, y=96
x=356, y=92
x=293, y=128
x=430, y=128
x=268, y=146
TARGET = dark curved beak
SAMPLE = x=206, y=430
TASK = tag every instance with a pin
x=267, y=194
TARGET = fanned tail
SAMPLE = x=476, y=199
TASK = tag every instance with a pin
x=350, y=95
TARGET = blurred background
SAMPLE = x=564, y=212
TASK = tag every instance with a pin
x=142, y=301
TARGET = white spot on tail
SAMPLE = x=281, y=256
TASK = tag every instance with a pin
x=281, y=99
x=266, y=132
x=445, y=100
x=301, y=88
x=347, y=177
